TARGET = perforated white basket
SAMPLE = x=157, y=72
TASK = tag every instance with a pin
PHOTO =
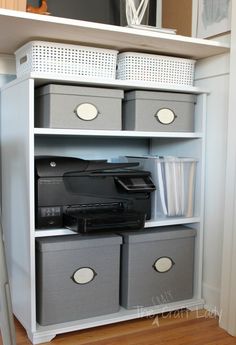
x=155, y=68
x=66, y=60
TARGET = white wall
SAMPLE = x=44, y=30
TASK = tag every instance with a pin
x=228, y=282
x=7, y=68
x=213, y=74
x=7, y=64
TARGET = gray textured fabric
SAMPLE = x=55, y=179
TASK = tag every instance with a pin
x=141, y=284
x=140, y=110
x=59, y=297
x=56, y=107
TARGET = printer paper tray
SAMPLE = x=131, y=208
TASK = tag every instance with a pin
x=89, y=222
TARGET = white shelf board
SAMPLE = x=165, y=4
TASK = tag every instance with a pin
x=53, y=232
x=41, y=79
x=171, y=221
x=21, y=27
x=122, y=315
x=148, y=224
x=114, y=133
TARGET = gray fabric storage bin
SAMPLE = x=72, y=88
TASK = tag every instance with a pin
x=158, y=111
x=157, y=266
x=77, y=277
x=65, y=106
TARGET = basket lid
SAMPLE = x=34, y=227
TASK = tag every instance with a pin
x=160, y=96
x=158, y=234
x=78, y=91
x=70, y=242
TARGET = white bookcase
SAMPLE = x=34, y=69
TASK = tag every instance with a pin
x=21, y=141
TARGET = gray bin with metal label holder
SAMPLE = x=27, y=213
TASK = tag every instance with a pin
x=77, y=277
x=77, y=107
x=157, y=266
x=158, y=111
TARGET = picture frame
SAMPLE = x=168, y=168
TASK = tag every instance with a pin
x=213, y=18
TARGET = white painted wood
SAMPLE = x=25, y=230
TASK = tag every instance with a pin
x=213, y=73
x=41, y=80
x=6, y=315
x=114, y=133
x=21, y=27
x=122, y=315
x=211, y=67
x=211, y=292
x=53, y=232
x=200, y=199
x=18, y=197
x=216, y=141
x=36, y=338
x=171, y=221
x=54, y=141
x=148, y=224
x=228, y=278
x=21, y=141
x=116, y=83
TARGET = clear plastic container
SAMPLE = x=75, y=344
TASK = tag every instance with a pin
x=174, y=178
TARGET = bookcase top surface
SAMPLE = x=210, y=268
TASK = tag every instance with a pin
x=18, y=28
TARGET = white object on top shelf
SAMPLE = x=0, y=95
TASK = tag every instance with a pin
x=155, y=68
x=22, y=27
x=154, y=28
x=66, y=59
x=88, y=62
x=135, y=11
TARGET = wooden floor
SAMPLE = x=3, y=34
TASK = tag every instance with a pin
x=178, y=328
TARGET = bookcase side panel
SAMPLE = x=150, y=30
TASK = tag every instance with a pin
x=17, y=157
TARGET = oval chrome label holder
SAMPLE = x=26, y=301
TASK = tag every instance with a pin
x=84, y=275
x=86, y=111
x=165, y=116
x=163, y=264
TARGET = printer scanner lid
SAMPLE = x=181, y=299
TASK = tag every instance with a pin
x=58, y=166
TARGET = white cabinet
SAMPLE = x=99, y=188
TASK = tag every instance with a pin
x=20, y=141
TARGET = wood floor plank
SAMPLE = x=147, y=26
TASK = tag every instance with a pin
x=178, y=328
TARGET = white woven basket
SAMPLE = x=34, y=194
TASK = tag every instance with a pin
x=66, y=60
x=155, y=68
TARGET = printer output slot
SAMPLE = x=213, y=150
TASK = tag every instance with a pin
x=98, y=207
x=101, y=221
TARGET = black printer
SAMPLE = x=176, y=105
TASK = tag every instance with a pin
x=90, y=195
